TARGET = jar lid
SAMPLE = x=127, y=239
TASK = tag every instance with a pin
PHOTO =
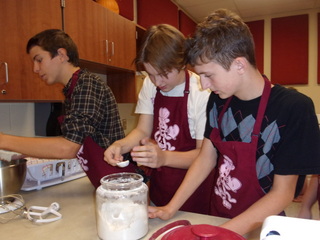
x=121, y=181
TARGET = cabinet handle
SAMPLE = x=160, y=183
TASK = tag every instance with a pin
x=3, y=91
x=107, y=48
x=6, y=70
x=112, y=48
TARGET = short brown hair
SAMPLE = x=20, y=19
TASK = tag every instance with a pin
x=163, y=48
x=51, y=40
x=221, y=37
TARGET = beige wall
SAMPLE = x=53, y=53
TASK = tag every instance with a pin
x=312, y=89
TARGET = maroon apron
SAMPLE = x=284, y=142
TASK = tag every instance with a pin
x=236, y=183
x=171, y=132
x=90, y=155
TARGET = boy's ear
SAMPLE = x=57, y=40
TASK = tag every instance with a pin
x=240, y=63
x=62, y=53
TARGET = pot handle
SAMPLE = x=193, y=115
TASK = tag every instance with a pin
x=169, y=226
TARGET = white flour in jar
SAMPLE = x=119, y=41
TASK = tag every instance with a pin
x=122, y=219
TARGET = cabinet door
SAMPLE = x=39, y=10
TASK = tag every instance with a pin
x=85, y=22
x=105, y=38
x=20, y=20
x=101, y=35
x=122, y=41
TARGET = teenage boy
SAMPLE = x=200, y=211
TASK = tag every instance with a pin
x=261, y=138
x=91, y=112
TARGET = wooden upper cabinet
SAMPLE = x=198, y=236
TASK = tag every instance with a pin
x=101, y=35
x=122, y=41
x=20, y=20
x=85, y=22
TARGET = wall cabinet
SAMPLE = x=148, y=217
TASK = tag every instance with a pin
x=102, y=36
x=85, y=22
x=122, y=38
x=20, y=20
x=106, y=43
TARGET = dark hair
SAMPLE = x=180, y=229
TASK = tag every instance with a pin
x=51, y=40
x=221, y=37
x=163, y=48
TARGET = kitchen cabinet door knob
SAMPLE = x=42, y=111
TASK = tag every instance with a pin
x=3, y=91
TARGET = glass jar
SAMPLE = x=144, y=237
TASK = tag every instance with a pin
x=121, y=202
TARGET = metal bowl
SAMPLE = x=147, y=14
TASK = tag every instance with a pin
x=12, y=176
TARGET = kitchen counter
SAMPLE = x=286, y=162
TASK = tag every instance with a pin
x=77, y=206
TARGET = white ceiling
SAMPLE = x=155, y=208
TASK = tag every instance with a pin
x=199, y=9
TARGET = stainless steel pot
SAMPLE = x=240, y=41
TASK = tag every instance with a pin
x=12, y=176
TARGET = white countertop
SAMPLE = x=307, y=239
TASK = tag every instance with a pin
x=77, y=206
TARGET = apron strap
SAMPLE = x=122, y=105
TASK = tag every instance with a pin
x=187, y=86
x=224, y=109
x=74, y=81
x=262, y=107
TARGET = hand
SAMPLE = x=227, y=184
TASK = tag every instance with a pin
x=113, y=154
x=160, y=212
x=149, y=154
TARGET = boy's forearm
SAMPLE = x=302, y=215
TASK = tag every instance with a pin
x=181, y=160
x=41, y=147
x=196, y=174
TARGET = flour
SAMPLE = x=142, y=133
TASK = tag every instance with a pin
x=122, y=219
